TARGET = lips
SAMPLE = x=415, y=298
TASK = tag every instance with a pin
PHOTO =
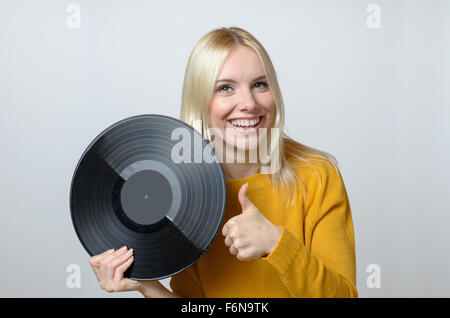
x=245, y=129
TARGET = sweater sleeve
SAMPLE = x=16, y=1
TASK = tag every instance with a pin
x=187, y=283
x=327, y=268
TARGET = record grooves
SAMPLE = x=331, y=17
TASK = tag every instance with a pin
x=127, y=190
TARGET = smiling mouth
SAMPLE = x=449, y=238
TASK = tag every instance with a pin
x=246, y=125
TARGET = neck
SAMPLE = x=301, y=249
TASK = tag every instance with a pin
x=240, y=170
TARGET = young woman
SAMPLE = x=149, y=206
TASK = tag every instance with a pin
x=285, y=234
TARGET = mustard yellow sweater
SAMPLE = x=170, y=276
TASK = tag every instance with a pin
x=315, y=256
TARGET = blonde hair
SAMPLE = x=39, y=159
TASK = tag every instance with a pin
x=203, y=67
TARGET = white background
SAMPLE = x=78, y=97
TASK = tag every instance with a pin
x=377, y=99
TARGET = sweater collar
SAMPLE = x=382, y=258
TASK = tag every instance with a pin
x=255, y=182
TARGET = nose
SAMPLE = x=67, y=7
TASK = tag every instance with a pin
x=247, y=101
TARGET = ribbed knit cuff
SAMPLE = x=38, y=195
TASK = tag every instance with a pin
x=284, y=253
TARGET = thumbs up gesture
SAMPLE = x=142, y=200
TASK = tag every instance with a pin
x=250, y=235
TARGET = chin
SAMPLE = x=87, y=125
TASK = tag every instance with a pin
x=250, y=143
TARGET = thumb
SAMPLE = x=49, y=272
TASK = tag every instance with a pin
x=246, y=204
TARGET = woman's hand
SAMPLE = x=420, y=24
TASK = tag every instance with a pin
x=250, y=235
x=109, y=268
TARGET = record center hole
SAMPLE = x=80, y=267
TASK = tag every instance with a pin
x=134, y=197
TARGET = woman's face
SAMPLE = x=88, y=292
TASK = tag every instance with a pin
x=242, y=102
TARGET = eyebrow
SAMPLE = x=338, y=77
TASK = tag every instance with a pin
x=233, y=81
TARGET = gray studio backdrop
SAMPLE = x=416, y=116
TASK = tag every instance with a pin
x=367, y=81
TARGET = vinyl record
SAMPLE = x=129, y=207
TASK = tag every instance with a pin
x=127, y=189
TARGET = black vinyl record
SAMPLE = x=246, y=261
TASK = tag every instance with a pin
x=128, y=191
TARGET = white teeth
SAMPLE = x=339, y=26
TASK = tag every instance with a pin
x=245, y=123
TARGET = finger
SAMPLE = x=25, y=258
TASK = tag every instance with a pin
x=103, y=268
x=240, y=256
x=115, y=263
x=95, y=260
x=248, y=253
x=233, y=232
x=125, y=283
x=239, y=243
x=229, y=225
x=225, y=230
x=244, y=254
x=228, y=241
x=120, y=270
x=112, y=264
x=233, y=250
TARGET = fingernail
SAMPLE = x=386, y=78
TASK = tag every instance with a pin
x=122, y=249
x=130, y=251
